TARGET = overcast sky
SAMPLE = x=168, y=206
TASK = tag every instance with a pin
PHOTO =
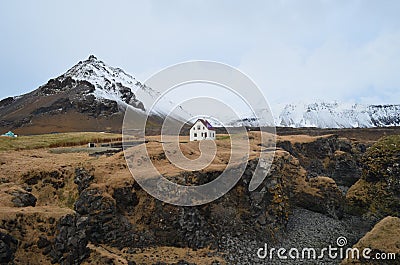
x=326, y=50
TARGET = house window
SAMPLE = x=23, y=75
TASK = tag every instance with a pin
x=195, y=134
x=194, y=128
x=205, y=135
x=198, y=127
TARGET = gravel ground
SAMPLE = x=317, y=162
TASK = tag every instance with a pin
x=306, y=229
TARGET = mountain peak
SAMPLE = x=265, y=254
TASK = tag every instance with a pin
x=109, y=83
x=92, y=58
x=113, y=83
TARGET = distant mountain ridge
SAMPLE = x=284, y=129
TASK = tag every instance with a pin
x=338, y=115
x=324, y=115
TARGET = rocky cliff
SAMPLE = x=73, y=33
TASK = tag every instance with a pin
x=89, y=210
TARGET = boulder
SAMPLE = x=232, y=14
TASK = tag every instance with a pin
x=22, y=198
x=383, y=238
x=321, y=195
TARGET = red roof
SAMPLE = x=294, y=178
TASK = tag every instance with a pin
x=205, y=123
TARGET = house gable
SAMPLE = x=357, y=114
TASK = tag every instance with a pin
x=205, y=123
x=202, y=130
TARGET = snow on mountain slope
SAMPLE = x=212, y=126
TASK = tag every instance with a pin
x=93, y=87
x=338, y=115
x=385, y=115
x=114, y=84
x=320, y=115
x=261, y=117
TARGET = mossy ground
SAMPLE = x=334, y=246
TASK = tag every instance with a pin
x=377, y=192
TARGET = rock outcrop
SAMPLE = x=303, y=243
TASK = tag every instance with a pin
x=14, y=195
x=328, y=156
x=96, y=220
x=377, y=192
x=384, y=242
x=322, y=195
x=82, y=178
x=70, y=244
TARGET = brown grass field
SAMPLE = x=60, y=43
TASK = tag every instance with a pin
x=55, y=140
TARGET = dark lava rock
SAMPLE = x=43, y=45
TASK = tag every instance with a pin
x=82, y=178
x=345, y=169
x=288, y=147
x=22, y=198
x=54, y=178
x=100, y=219
x=57, y=85
x=320, y=148
x=6, y=101
x=262, y=213
x=78, y=95
x=194, y=228
x=96, y=220
x=125, y=197
x=60, y=105
x=43, y=242
x=92, y=202
x=315, y=168
x=329, y=156
x=90, y=105
x=8, y=247
x=70, y=244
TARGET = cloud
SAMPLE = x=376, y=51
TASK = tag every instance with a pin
x=320, y=49
x=334, y=70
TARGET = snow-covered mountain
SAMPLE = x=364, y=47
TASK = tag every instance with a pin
x=114, y=84
x=324, y=115
x=109, y=83
x=338, y=115
x=90, y=96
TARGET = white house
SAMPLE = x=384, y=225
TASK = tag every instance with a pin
x=202, y=130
